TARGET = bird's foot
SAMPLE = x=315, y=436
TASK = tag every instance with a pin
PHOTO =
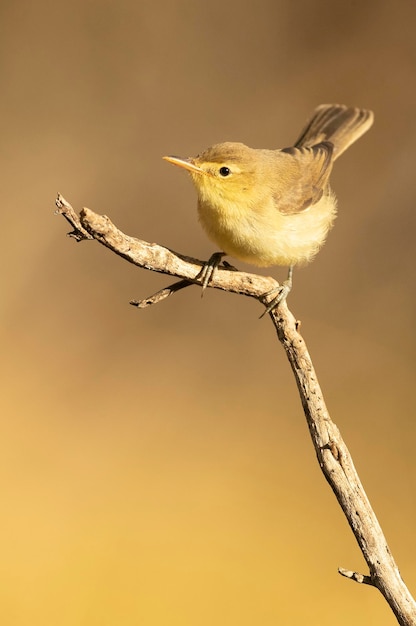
x=209, y=268
x=280, y=293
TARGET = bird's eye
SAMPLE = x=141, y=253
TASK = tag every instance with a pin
x=224, y=171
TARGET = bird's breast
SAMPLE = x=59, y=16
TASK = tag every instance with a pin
x=261, y=235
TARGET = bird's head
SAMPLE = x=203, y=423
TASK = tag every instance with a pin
x=223, y=174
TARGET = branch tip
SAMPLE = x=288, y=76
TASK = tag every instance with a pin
x=161, y=295
x=363, y=579
x=64, y=208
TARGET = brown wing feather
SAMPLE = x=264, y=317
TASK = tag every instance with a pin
x=337, y=123
x=308, y=175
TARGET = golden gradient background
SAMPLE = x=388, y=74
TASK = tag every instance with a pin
x=156, y=468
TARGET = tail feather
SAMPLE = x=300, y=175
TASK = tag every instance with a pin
x=336, y=123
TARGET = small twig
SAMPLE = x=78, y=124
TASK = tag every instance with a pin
x=162, y=294
x=356, y=576
x=64, y=208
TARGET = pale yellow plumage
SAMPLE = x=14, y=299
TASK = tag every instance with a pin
x=252, y=220
x=274, y=207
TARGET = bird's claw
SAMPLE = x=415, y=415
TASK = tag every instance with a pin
x=282, y=291
x=209, y=268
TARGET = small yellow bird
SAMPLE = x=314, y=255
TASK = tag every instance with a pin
x=274, y=207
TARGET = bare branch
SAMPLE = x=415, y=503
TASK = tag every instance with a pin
x=151, y=256
x=332, y=453
x=337, y=465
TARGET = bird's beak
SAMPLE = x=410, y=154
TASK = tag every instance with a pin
x=187, y=164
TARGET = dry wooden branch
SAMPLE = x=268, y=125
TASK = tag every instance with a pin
x=332, y=453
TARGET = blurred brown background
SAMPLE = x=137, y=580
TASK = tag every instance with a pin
x=156, y=467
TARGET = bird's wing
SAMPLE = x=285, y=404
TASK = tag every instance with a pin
x=306, y=176
x=337, y=123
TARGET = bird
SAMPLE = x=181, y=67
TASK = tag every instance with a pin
x=270, y=207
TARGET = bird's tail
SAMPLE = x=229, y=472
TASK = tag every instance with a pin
x=337, y=123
